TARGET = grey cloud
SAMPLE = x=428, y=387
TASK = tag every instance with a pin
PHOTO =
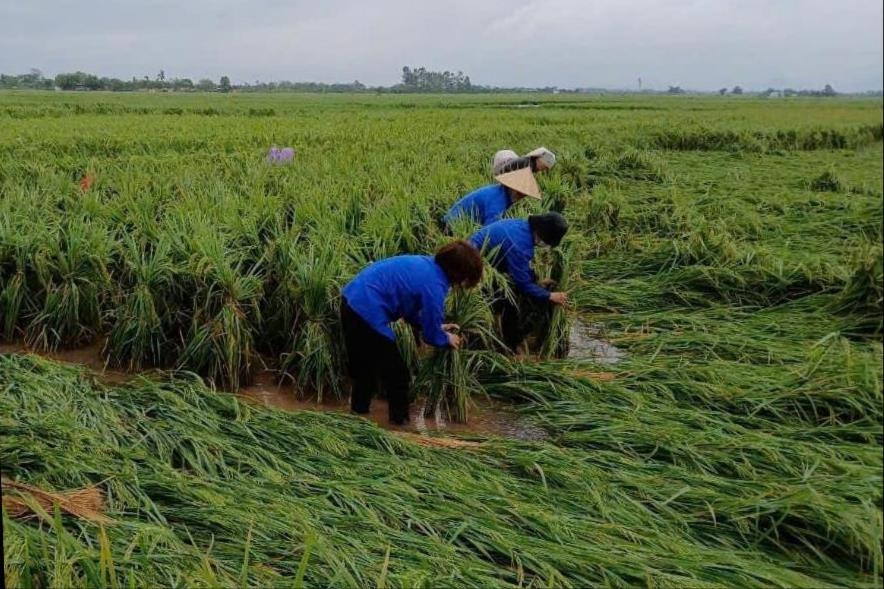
x=702, y=44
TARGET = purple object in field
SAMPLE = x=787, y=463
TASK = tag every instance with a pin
x=278, y=156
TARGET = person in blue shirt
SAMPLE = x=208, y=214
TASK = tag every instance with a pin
x=509, y=246
x=408, y=287
x=488, y=204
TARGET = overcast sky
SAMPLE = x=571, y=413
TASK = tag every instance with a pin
x=697, y=44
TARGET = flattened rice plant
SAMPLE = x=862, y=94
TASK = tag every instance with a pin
x=863, y=295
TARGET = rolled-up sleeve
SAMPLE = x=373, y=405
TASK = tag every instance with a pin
x=432, y=314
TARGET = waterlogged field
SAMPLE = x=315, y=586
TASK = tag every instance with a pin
x=730, y=249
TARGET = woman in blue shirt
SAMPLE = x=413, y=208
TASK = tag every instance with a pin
x=509, y=245
x=407, y=287
x=488, y=204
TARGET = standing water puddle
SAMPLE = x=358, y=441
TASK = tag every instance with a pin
x=584, y=344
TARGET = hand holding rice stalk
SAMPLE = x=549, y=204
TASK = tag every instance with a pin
x=449, y=377
x=554, y=340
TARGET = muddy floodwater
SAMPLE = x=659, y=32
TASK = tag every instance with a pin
x=487, y=418
x=88, y=356
x=585, y=343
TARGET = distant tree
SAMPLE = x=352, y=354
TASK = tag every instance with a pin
x=675, y=90
x=722, y=91
x=737, y=90
x=91, y=82
x=422, y=80
x=31, y=79
x=767, y=93
x=829, y=91
x=205, y=85
x=113, y=84
x=77, y=81
x=790, y=92
x=65, y=81
x=161, y=77
x=224, y=84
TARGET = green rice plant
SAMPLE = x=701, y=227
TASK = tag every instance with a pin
x=16, y=280
x=142, y=330
x=603, y=209
x=558, y=192
x=449, y=377
x=311, y=280
x=828, y=181
x=220, y=339
x=73, y=281
x=394, y=227
x=640, y=165
x=862, y=297
x=553, y=339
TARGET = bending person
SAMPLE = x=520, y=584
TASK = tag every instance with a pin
x=402, y=287
x=488, y=204
x=509, y=245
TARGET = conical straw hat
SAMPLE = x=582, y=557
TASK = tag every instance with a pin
x=521, y=180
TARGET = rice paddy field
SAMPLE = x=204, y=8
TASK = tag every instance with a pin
x=729, y=249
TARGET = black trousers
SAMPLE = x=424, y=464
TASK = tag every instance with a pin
x=372, y=358
x=519, y=318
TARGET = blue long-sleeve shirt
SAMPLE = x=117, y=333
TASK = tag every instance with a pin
x=485, y=205
x=402, y=287
x=515, y=242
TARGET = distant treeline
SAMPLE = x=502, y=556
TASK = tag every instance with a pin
x=413, y=80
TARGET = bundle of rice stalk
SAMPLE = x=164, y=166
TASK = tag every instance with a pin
x=407, y=340
x=449, y=377
x=145, y=316
x=554, y=338
x=863, y=294
x=14, y=293
x=312, y=281
x=20, y=500
x=73, y=281
x=220, y=340
x=437, y=442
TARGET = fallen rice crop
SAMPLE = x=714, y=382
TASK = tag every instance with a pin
x=731, y=249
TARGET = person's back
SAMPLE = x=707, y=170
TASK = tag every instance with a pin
x=484, y=205
x=509, y=246
x=403, y=287
x=397, y=288
x=500, y=238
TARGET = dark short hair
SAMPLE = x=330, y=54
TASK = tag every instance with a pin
x=550, y=227
x=461, y=263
